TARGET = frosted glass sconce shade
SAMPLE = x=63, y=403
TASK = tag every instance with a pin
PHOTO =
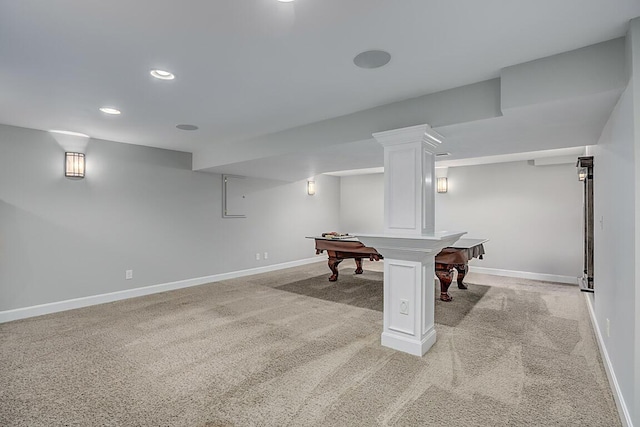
x=74, y=165
x=311, y=188
x=582, y=174
x=442, y=186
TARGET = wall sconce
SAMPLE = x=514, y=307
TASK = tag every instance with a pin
x=585, y=168
x=74, y=165
x=582, y=174
x=442, y=185
x=311, y=188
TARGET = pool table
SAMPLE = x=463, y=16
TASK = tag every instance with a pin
x=343, y=248
x=455, y=257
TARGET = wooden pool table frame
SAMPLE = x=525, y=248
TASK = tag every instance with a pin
x=455, y=257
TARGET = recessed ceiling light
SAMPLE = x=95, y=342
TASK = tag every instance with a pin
x=109, y=110
x=187, y=127
x=372, y=59
x=68, y=132
x=162, y=74
x=285, y=1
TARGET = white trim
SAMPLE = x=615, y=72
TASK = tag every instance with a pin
x=623, y=412
x=414, y=346
x=525, y=275
x=54, y=307
x=405, y=135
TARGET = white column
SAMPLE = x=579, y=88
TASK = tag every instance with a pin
x=409, y=170
x=409, y=243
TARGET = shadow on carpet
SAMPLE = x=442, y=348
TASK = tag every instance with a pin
x=366, y=290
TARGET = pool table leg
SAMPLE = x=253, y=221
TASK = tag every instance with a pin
x=333, y=266
x=445, y=278
x=358, y=265
x=462, y=271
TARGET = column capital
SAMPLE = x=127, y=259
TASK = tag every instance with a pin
x=412, y=134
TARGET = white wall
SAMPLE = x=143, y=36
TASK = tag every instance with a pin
x=531, y=214
x=138, y=208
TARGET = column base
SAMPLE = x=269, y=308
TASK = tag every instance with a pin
x=408, y=344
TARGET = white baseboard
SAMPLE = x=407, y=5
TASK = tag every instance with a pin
x=54, y=307
x=623, y=411
x=525, y=275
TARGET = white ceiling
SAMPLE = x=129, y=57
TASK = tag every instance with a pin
x=246, y=68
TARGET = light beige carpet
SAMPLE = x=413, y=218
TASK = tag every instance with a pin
x=260, y=351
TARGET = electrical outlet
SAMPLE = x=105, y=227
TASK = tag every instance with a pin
x=266, y=255
x=404, y=306
x=257, y=256
x=128, y=274
x=608, y=328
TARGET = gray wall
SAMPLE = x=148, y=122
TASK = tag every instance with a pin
x=362, y=203
x=138, y=208
x=617, y=239
x=531, y=214
x=614, y=240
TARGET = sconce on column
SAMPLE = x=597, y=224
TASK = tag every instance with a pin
x=74, y=165
x=311, y=188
